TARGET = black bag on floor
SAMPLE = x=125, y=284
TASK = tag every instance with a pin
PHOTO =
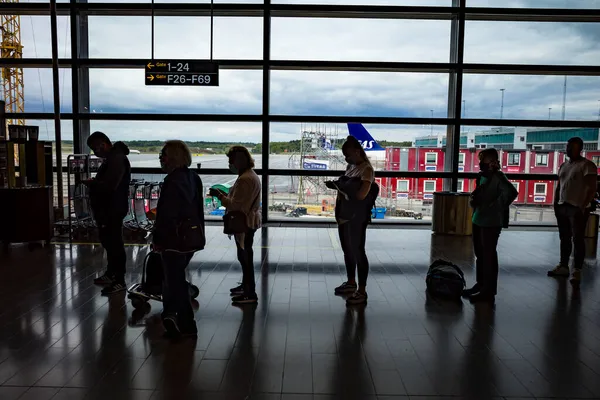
x=152, y=274
x=445, y=280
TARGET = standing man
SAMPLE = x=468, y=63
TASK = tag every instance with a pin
x=491, y=201
x=109, y=192
x=574, y=193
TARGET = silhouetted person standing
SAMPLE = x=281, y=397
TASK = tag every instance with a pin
x=574, y=193
x=109, y=192
x=491, y=201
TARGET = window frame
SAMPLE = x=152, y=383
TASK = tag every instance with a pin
x=454, y=119
x=427, y=162
x=425, y=182
x=535, y=186
x=508, y=159
x=543, y=155
x=407, y=185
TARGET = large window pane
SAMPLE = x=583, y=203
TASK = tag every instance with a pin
x=530, y=97
x=527, y=151
x=208, y=141
x=38, y=91
x=360, y=40
x=124, y=91
x=389, y=147
x=443, y=3
x=175, y=37
x=359, y=93
x=213, y=210
x=302, y=198
x=532, y=43
x=36, y=38
x=581, y=4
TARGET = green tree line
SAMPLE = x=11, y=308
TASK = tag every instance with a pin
x=292, y=146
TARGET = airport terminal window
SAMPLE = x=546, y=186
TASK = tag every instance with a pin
x=541, y=188
x=404, y=110
x=514, y=159
x=541, y=159
x=429, y=186
x=431, y=158
x=402, y=187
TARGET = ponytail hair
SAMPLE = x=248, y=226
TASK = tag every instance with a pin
x=353, y=143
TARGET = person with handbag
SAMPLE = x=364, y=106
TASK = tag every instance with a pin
x=178, y=233
x=356, y=196
x=242, y=218
x=490, y=201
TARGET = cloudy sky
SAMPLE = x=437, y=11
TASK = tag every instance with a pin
x=321, y=93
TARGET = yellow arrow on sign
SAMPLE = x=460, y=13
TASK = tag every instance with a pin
x=150, y=66
x=151, y=77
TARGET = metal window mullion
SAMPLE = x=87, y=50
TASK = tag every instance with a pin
x=83, y=75
x=77, y=145
x=266, y=96
x=455, y=92
x=56, y=98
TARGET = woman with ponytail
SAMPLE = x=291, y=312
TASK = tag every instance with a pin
x=353, y=213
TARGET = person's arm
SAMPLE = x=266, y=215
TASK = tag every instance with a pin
x=238, y=198
x=365, y=186
x=115, y=169
x=591, y=183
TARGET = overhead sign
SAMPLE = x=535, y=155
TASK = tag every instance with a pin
x=181, y=73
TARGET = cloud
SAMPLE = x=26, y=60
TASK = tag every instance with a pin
x=321, y=92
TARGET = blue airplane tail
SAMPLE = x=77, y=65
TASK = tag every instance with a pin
x=364, y=137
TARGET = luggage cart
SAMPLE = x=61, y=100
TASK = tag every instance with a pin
x=151, y=286
x=81, y=218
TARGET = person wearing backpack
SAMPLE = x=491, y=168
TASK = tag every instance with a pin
x=491, y=200
x=356, y=196
x=178, y=233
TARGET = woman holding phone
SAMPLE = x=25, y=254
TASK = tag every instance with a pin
x=243, y=198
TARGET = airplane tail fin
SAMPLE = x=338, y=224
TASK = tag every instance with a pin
x=364, y=137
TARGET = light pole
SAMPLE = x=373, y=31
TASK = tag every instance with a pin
x=549, y=112
x=502, y=104
x=464, y=113
x=564, y=104
x=431, y=122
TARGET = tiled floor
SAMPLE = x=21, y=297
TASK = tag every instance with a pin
x=59, y=339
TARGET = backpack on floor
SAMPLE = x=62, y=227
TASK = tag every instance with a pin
x=445, y=280
x=152, y=275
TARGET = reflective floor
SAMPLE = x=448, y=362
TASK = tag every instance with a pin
x=61, y=340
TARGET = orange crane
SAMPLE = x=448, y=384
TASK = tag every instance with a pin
x=12, y=78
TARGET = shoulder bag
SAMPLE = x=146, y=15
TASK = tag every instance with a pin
x=236, y=221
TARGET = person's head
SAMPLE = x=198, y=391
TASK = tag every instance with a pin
x=100, y=144
x=175, y=154
x=240, y=159
x=574, y=147
x=353, y=151
x=489, y=160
